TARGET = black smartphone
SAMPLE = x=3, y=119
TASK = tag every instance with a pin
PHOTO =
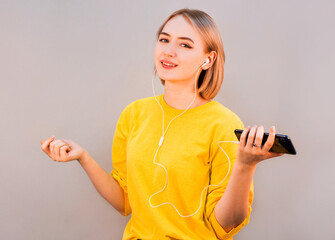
x=282, y=144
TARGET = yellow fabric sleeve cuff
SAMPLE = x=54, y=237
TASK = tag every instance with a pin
x=115, y=174
x=221, y=233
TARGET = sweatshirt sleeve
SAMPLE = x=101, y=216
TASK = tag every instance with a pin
x=119, y=155
x=219, y=169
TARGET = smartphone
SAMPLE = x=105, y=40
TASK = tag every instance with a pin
x=282, y=144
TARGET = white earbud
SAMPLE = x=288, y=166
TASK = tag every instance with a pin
x=207, y=61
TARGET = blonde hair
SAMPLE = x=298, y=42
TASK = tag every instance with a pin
x=210, y=80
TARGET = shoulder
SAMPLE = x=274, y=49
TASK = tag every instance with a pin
x=224, y=121
x=133, y=110
x=143, y=102
x=138, y=106
x=223, y=115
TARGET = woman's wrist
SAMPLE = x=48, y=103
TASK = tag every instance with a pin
x=85, y=156
x=245, y=166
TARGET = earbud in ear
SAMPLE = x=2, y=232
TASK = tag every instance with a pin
x=207, y=61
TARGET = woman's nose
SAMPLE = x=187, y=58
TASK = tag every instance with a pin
x=169, y=50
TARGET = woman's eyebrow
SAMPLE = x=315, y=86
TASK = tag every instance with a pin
x=184, y=38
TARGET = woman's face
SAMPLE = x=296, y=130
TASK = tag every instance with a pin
x=179, y=51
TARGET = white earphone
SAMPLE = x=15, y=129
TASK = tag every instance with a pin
x=207, y=61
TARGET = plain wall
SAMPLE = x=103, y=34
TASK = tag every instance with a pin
x=68, y=68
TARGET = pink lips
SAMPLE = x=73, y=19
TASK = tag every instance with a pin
x=168, y=65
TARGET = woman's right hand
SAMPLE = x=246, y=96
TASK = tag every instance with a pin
x=62, y=150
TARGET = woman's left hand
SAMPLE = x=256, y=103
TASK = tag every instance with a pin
x=250, y=150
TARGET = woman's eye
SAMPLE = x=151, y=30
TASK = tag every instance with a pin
x=164, y=40
x=185, y=45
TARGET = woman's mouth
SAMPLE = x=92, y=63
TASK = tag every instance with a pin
x=168, y=64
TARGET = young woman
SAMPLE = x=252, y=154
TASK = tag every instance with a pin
x=173, y=154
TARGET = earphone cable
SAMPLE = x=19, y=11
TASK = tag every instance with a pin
x=161, y=142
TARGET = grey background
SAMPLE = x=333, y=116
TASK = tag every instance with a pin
x=68, y=68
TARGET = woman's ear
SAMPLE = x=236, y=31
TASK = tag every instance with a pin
x=211, y=57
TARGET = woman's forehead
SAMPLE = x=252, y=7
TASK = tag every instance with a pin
x=180, y=26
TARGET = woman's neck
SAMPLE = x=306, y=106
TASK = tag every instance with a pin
x=180, y=96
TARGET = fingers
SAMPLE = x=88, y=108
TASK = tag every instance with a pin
x=259, y=137
x=254, y=138
x=251, y=137
x=57, y=149
x=64, y=152
x=271, y=139
x=244, y=136
x=251, y=150
x=45, y=144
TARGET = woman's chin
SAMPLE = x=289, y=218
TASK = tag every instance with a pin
x=170, y=77
x=166, y=77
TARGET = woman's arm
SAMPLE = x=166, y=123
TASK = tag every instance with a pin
x=104, y=183
x=66, y=150
x=233, y=206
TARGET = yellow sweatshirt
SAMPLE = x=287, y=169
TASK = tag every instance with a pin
x=193, y=160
